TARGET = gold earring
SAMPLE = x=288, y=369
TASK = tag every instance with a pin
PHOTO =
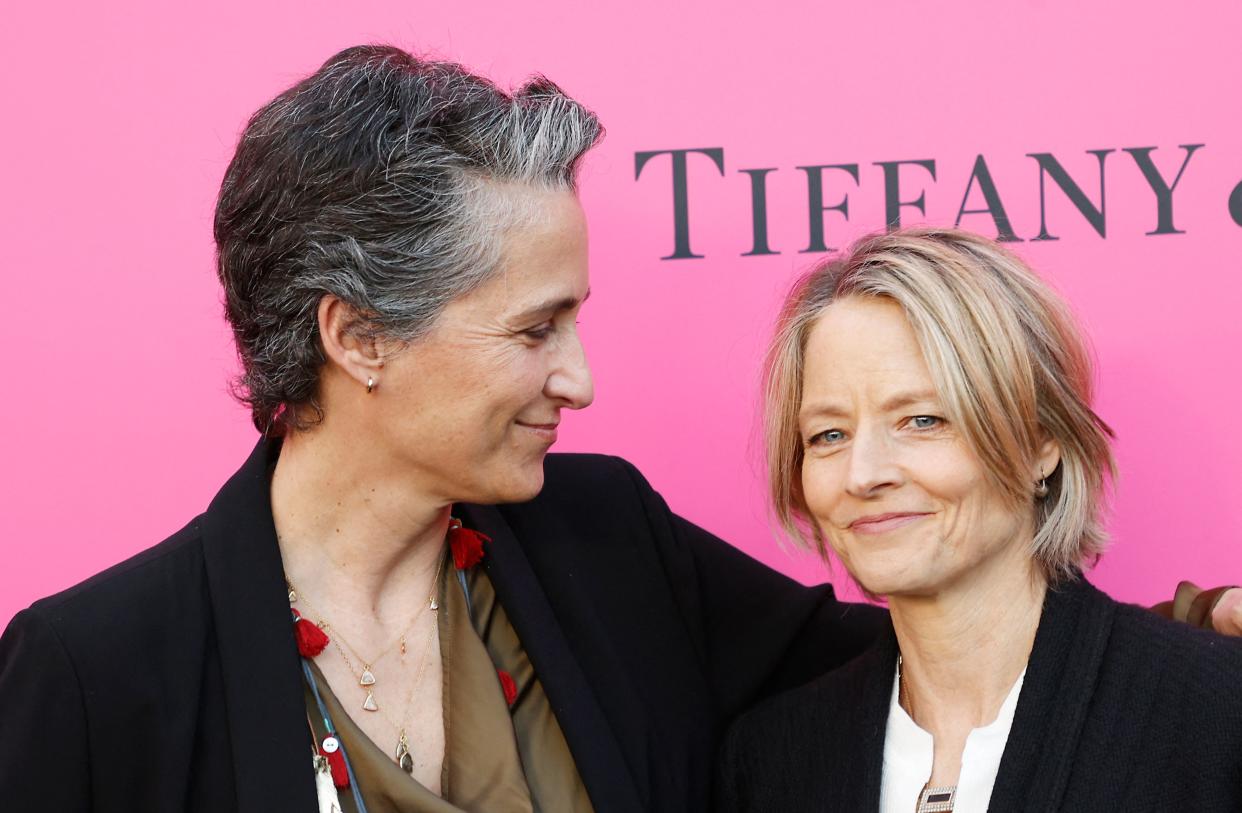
x=1041, y=488
x=370, y=384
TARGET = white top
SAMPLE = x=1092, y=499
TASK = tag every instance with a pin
x=908, y=752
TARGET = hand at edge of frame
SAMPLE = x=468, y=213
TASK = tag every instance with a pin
x=1227, y=614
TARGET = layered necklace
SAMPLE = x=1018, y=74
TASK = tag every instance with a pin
x=367, y=680
x=939, y=799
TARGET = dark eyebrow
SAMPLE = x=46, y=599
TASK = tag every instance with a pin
x=551, y=306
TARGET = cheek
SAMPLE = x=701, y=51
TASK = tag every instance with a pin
x=523, y=373
x=498, y=391
x=977, y=515
x=821, y=488
x=948, y=474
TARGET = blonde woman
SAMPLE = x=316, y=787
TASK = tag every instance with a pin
x=930, y=423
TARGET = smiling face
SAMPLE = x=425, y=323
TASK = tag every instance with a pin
x=896, y=492
x=472, y=407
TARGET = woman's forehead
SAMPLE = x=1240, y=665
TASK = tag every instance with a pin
x=864, y=339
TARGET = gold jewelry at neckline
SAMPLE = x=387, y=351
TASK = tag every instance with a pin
x=908, y=704
x=366, y=676
x=403, y=756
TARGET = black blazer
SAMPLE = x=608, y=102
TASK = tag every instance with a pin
x=171, y=681
x=1119, y=710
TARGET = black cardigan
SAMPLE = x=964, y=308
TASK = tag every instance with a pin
x=1119, y=710
x=171, y=681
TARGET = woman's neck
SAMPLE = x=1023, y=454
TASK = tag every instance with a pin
x=354, y=535
x=964, y=647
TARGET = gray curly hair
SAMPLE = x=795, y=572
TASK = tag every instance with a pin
x=382, y=179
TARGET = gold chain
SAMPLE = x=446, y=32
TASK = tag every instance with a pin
x=409, y=700
x=296, y=597
x=365, y=677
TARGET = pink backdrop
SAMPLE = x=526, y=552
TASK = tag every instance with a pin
x=120, y=121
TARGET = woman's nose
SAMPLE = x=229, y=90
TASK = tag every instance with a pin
x=571, y=381
x=872, y=464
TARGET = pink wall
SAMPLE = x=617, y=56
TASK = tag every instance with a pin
x=119, y=124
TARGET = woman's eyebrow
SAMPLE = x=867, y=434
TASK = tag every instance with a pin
x=551, y=306
x=904, y=399
x=821, y=409
x=831, y=409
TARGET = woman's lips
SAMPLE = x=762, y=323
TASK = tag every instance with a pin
x=883, y=523
x=546, y=431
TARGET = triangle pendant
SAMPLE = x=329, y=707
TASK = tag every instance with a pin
x=367, y=678
x=369, y=703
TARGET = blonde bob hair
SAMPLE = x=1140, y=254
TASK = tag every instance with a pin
x=1009, y=366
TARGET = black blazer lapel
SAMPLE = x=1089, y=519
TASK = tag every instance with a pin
x=858, y=718
x=592, y=741
x=1056, y=694
x=258, y=655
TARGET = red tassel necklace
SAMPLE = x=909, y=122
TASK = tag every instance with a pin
x=466, y=547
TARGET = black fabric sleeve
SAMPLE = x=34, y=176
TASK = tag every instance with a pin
x=760, y=631
x=44, y=758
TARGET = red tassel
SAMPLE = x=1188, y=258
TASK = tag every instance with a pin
x=311, y=640
x=467, y=546
x=331, y=750
x=509, y=686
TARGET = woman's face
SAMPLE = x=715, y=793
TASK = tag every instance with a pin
x=893, y=487
x=471, y=408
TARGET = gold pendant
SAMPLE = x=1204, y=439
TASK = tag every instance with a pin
x=405, y=760
x=369, y=703
x=367, y=678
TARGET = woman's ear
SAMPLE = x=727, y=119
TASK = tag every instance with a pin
x=1047, y=459
x=357, y=355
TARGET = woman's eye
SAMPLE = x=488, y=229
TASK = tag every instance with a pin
x=925, y=421
x=540, y=332
x=827, y=436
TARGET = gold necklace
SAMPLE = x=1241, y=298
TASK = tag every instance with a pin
x=403, y=756
x=366, y=676
x=908, y=703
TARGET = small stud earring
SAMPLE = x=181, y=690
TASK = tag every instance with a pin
x=370, y=384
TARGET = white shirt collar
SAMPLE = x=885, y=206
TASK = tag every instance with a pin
x=908, y=753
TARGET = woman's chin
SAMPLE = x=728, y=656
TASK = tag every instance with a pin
x=519, y=485
x=889, y=582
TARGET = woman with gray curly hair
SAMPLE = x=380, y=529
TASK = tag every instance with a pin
x=403, y=258
x=930, y=423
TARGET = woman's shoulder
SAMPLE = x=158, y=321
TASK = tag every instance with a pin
x=145, y=589
x=1164, y=710
x=1190, y=671
x=1181, y=669
x=1140, y=633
